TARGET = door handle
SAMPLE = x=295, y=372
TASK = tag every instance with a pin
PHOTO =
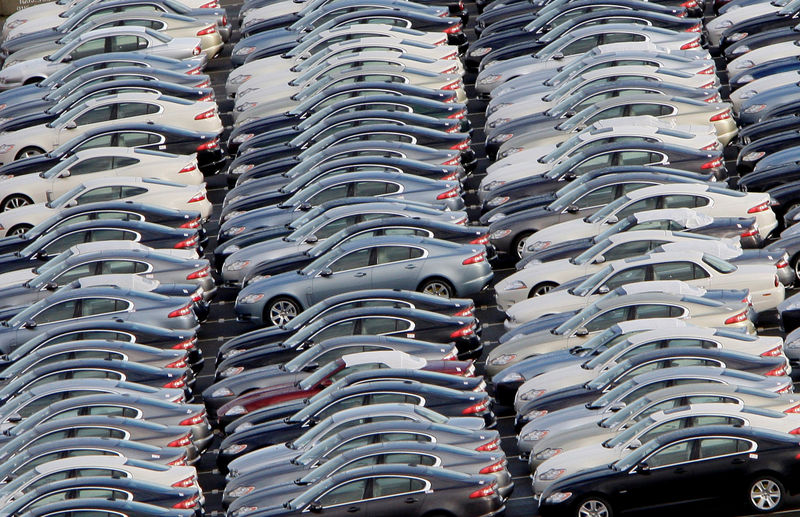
x=352, y=509
x=410, y=266
x=680, y=470
x=738, y=461
x=411, y=500
x=358, y=275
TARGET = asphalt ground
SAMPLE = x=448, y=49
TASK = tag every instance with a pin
x=222, y=325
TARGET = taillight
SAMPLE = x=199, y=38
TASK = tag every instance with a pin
x=785, y=389
x=183, y=441
x=483, y=239
x=194, y=71
x=211, y=5
x=184, y=483
x=753, y=230
x=196, y=50
x=453, y=29
x=180, y=462
x=721, y=116
x=476, y=408
x=738, y=318
x=692, y=44
x=694, y=28
x=795, y=431
x=206, y=98
x=475, y=259
x=763, y=207
x=180, y=363
x=774, y=352
x=187, y=243
x=194, y=223
x=464, y=331
x=450, y=193
x=709, y=147
x=453, y=161
x=183, y=311
x=777, y=281
x=483, y=492
x=200, y=273
x=206, y=114
x=177, y=383
x=200, y=196
x=211, y=144
x=713, y=164
x=707, y=71
x=454, y=55
x=450, y=177
x=194, y=420
x=188, y=168
x=185, y=345
x=455, y=85
x=778, y=371
x=461, y=146
x=690, y=4
x=781, y=263
x=187, y=504
x=197, y=295
x=494, y=467
x=204, y=84
x=453, y=129
x=461, y=221
x=466, y=312
x=489, y=446
x=208, y=30
x=708, y=85
x=794, y=409
x=458, y=114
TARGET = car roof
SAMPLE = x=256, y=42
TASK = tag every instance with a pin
x=687, y=217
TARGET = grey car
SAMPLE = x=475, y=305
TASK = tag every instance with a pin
x=429, y=265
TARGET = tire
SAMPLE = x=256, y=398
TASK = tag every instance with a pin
x=517, y=245
x=437, y=287
x=593, y=506
x=34, y=80
x=765, y=494
x=280, y=311
x=19, y=229
x=795, y=262
x=542, y=288
x=27, y=152
x=15, y=201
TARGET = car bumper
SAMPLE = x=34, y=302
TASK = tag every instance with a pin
x=475, y=285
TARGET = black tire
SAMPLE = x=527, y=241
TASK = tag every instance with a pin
x=437, y=287
x=795, y=263
x=765, y=493
x=15, y=201
x=516, y=245
x=29, y=151
x=280, y=311
x=19, y=229
x=541, y=288
x=34, y=80
x=593, y=506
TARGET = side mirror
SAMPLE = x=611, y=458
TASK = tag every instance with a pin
x=30, y=324
x=326, y=272
x=572, y=209
x=15, y=418
x=41, y=255
x=310, y=367
x=311, y=239
x=67, y=58
x=305, y=206
x=612, y=220
x=558, y=56
x=583, y=331
x=65, y=174
x=315, y=507
x=71, y=125
x=635, y=444
x=603, y=289
x=51, y=286
x=569, y=176
x=600, y=259
x=72, y=203
x=616, y=406
x=643, y=468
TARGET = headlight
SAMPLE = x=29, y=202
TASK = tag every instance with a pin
x=538, y=245
x=498, y=215
x=240, y=491
x=532, y=394
x=736, y=36
x=492, y=185
x=503, y=137
x=551, y=474
x=230, y=249
x=724, y=24
x=511, y=150
x=480, y=51
x=515, y=286
x=753, y=156
x=746, y=78
x=5, y=177
x=535, y=414
x=499, y=121
x=238, y=139
x=490, y=79
x=244, y=51
x=243, y=427
x=793, y=344
x=740, y=50
x=502, y=359
x=234, y=230
x=233, y=214
x=243, y=510
x=755, y=108
x=232, y=352
x=534, y=436
x=245, y=106
x=547, y=454
x=258, y=278
x=558, y=497
x=512, y=377
x=236, y=448
x=241, y=169
x=237, y=265
x=236, y=410
x=497, y=201
x=744, y=64
x=222, y=392
x=239, y=79
x=6, y=148
x=231, y=371
x=499, y=234
x=251, y=298
x=747, y=94
x=498, y=106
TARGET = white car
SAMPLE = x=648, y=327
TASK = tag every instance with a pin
x=733, y=15
x=705, y=199
x=142, y=190
x=693, y=267
x=102, y=111
x=537, y=278
x=764, y=84
x=101, y=162
x=19, y=69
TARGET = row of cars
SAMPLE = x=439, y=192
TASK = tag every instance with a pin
x=110, y=126
x=631, y=356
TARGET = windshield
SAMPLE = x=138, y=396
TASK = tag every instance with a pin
x=636, y=457
x=629, y=433
x=587, y=255
x=564, y=88
x=608, y=354
x=320, y=374
x=319, y=263
x=55, y=171
x=27, y=314
x=577, y=320
x=304, y=231
x=614, y=394
x=63, y=198
x=593, y=281
x=608, y=210
x=563, y=147
x=322, y=428
x=608, y=376
x=625, y=414
x=617, y=227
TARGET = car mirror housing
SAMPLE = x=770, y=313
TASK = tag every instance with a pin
x=558, y=56
x=66, y=59
x=305, y=206
x=41, y=254
x=65, y=174
x=71, y=203
x=71, y=125
x=30, y=324
x=315, y=507
x=310, y=367
x=14, y=418
x=326, y=272
x=572, y=209
x=612, y=220
x=643, y=468
x=635, y=444
x=603, y=289
x=51, y=286
x=599, y=259
x=311, y=239
x=616, y=406
x=583, y=331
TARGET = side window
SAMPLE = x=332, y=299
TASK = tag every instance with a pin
x=374, y=188
x=342, y=328
x=75, y=273
x=714, y=447
x=111, y=235
x=595, y=162
x=627, y=276
x=137, y=139
x=606, y=319
x=135, y=109
x=341, y=405
x=656, y=110
x=389, y=254
x=637, y=158
x=677, y=271
x=580, y=46
x=677, y=201
x=96, y=115
x=98, y=194
x=628, y=249
x=95, y=306
x=408, y=459
x=655, y=311
x=373, y=326
x=132, y=191
x=111, y=267
x=598, y=197
x=650, y=203
x=388, y=486
x=127, y=43
x=124, y=161
x=644, y=390
x=65, y=242
x=58, y=312
x=98, y=141
x=613, y=112
x=353, y=260
x=347, y=493
x=328, y=194
x=334, y=226
x=90, y=48
x=100, y=164
x=676, y=453
x=622, y=38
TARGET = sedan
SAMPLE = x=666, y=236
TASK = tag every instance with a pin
x=119, y=507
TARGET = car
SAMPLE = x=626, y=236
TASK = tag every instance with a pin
x=719, y=26
x=775, y=89
x=425, y=453
x=18, y=70
x=709, y=448
x=119, y=507
x=757, y=40
x=744, y=63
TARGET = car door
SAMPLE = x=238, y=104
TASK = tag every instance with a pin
x=347, y=498
x=397, y=267
x=663, y=478
x=685, y=271
x=722, y=462
x=397, y=496
x=80, y=172
x=349, y=272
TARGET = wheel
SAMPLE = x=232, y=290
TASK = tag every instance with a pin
x=14, y=201
x=519, y=244
x=593, y=507
x=795, y=262
x=34, y=80
x=765, y=494
x=540, y=289
x=19, y=229
x=27, y=152
x=280, y=311
x=436, y=287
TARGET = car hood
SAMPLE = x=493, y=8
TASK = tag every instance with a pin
x=19, y=295
x=16, y=277
x=554, y=302
x=558, y=378
x=559, y=250
x=540, y=325
x=575, y=229
x=573, y=461
x=265, y=251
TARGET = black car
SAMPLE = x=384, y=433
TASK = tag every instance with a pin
x=289, y=421
x=375, y=227
x=455, y=7
x=784, y=17
x=146, y=136
x=426, y=326
x=22, y=254
x=392, y=491
x=761, y=70
x=750, y=154
x=328, y=103
x=767, y=128
x=98, y=506
x=769, y=178
x=640, y=363
x=783, y=198
x=707, y=463
x=534, y=41
x=761, y=39
x=369, y=377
